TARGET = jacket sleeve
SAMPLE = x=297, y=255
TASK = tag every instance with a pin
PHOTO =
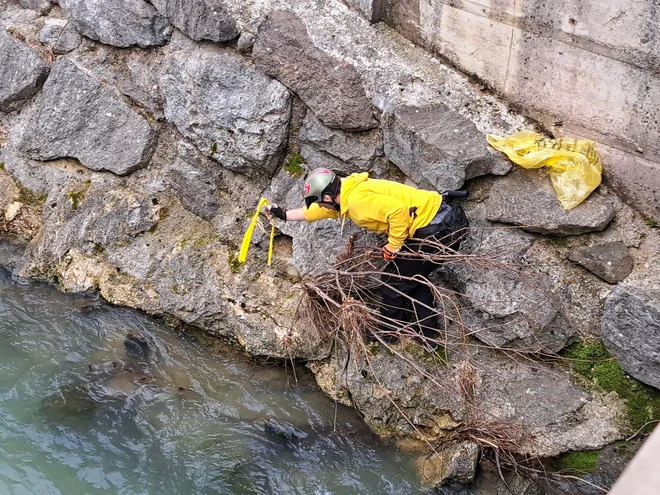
x=315, y=213
x=396, y=215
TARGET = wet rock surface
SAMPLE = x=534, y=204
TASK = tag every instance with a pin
x=453, y=463
x=526, y=198
x=23, y=72
x=79, y=117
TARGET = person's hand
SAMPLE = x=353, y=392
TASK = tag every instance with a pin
x=275, y=211
x=389, y=252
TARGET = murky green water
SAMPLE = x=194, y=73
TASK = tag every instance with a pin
x=81, y=415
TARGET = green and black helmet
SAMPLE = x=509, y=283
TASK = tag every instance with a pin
x=319, y=182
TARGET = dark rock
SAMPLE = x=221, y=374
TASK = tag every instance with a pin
x=526, y=198
x=455, y=462
x=61, y=35
x=23, y=73
x=631, y=331
x=439, y=148
x=283, y=430
x=137, y=346
x=337, y=150
x=40, y=6
x=331, y=88
x=121, y=23
x=610, y=261
x=79, y=117
x=199, y=19
x=228, y=108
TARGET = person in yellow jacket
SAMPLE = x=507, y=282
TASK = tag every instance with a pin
x=399, y=211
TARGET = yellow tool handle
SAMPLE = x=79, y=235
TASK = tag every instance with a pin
x=247, y=238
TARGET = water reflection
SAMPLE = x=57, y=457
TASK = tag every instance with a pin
x=84, y=409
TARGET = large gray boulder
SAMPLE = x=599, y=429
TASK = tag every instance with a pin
x=331, y=88
x=121, y=23
x=228, y=108
x=610, y=261
x=199, y=19
x=23, y=73
x=322, y=146
x=437, y=147
x=81, y=118
x=631, y=331
x=510, y=305
x=526, y=198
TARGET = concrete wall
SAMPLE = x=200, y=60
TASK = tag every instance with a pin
x=593, y=67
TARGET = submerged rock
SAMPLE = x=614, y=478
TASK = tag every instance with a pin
x=112, y=383
x=451, y=463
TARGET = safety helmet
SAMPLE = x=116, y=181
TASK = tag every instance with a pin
x=318, y=182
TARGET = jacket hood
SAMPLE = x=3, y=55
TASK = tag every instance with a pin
x=347, y=186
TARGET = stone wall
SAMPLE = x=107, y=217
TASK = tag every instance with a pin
x=588, y=69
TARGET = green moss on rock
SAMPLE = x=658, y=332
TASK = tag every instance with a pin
x=234, y=264
x=594, y=365
x=585, y=462
x=294, y=165
x=77, y=195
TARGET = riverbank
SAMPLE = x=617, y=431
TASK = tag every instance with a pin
x=133, y=157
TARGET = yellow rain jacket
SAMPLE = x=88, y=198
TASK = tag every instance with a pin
x=382, y=206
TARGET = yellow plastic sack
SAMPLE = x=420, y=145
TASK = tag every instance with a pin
x=575, y=166
x=242, y=254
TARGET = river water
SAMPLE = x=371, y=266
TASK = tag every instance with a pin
x=84, y=411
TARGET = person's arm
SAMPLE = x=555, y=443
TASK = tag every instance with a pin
x=295, y=215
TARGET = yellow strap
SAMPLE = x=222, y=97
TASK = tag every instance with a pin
x=270, y=245
x=247, y=238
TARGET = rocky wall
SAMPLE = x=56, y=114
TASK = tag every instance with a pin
x=136, y=141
